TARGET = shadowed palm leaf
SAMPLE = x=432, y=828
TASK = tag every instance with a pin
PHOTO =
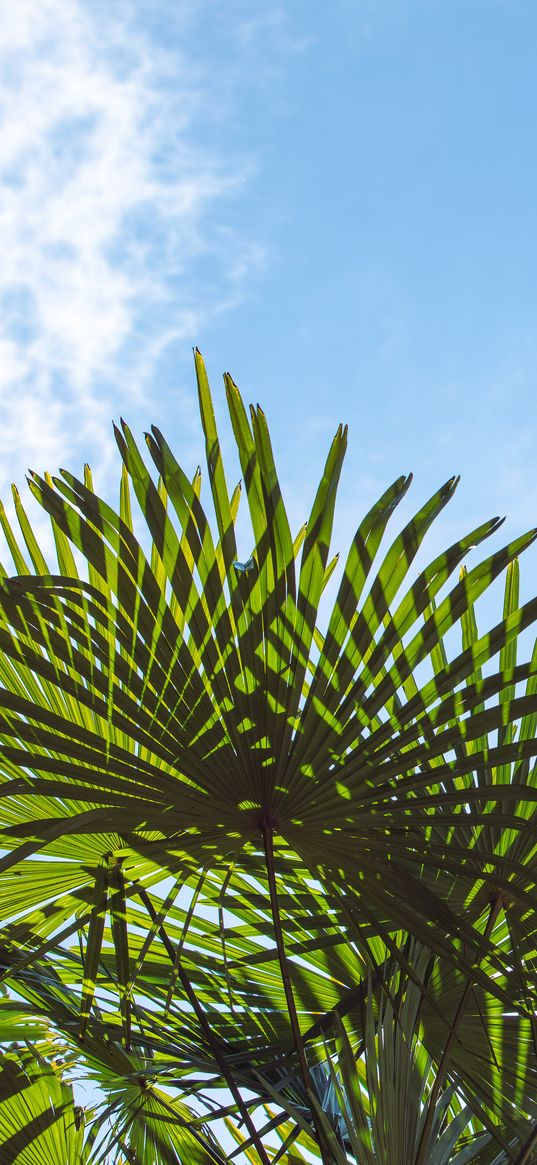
x=176, y=728
x=39, y=1120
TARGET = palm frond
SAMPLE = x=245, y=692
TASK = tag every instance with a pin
x=204, y=790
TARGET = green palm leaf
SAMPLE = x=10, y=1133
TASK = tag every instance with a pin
x=39, y=1120
x=181, y=712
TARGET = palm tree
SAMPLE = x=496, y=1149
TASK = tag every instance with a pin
x=257, y=872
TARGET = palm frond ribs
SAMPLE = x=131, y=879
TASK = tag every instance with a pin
x=267, y=879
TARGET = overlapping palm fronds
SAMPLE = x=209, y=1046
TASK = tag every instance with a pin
x=39, y=1120
x=226, y=819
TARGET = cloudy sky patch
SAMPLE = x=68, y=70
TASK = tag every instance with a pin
x=106, y=205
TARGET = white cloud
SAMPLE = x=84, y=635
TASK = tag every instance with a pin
x=104, y=202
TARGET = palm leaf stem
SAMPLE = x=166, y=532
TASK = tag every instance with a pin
x=205, y=1026
x=495, y=907
x=268, y=836
x=526, y=1150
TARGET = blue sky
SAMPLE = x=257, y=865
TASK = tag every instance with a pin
x=335, y=202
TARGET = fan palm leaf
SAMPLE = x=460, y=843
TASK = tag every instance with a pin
x=39, y=1120
x=182, y=711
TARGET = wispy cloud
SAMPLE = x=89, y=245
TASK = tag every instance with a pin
x=104, y=210
x=273, y=21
